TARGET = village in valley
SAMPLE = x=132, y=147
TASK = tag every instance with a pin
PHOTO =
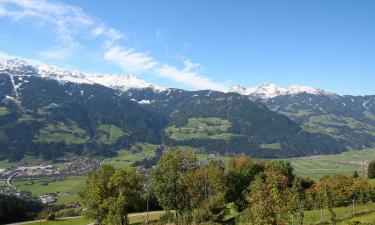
x=75, y=166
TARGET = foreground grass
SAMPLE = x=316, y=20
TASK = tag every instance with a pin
x=368, y=218
x=342, y=213
x=70, y=221
x=135, y=218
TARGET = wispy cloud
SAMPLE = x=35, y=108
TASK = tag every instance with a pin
x=68, y=22
x=109, y=32
x=71, y=22
x=186, y=75
x=64, y=18
x=129, y=59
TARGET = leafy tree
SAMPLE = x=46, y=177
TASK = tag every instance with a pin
x=355, y=174
x=371, y=170
x=241, y=171
x=284, y=168
x=109, y=193
x=213, y=209
x=268, y=198
x=124, y=187
x=204, y=182
x=206, y=190
x=298, y=200
x=167, y=179
x=15, y=209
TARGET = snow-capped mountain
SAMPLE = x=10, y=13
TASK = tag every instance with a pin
x=123, y=82
x=269, y=90
x=42, y=70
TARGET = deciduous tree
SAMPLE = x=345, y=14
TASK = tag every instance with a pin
x=167, y=179
x=109, y=193
x=240, y=172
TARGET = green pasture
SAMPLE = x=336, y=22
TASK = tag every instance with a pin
x=346, y=163
x=4, y=111
x=134, y=218
x=68, y=133
x=201, y=128
x=71, y=185
x=342, y=213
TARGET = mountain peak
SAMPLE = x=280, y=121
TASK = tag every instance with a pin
x=271, y=90
x=123, y=82
x=17, y=65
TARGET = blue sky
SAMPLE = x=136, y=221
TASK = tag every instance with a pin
x=199, y=44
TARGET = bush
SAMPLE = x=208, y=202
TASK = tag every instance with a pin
x=167, y=217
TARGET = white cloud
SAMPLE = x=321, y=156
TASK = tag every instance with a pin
x=70, y=22
x=189, y=65
x=187, y=76
x=129, y=59
x=109, y=32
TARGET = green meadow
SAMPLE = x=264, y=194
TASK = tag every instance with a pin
x=201, y=128
x=3, y=111
x=346, y=163
x=134, y=218
x=69, y=186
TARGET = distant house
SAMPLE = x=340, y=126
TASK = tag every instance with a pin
x=47, y=199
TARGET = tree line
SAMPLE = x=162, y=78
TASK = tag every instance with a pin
x=243, y=191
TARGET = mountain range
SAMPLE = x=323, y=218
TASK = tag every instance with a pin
x=48, y=111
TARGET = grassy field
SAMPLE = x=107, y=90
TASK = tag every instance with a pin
x=331, y=124
x=73, y=221
x=206, y=128
x=5, y=164
x=70, y=185
x=110, y=133
x=316, y=167
x=69, y=133
x=3, y=111
x=126, y=158
x=273, y=146
x=368, y=218
x=342, y=213
x=136, y=218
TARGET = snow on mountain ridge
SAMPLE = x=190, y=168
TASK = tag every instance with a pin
x=121, y=82
x=42, y=70
x=269, y=90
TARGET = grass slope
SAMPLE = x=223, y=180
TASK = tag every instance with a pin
x=126, y=158
x=316, y=167
x=342, y=213
x=134, y=218
x=201, y=128
x=3, y=111
x=110, y=133
x=69, y=133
